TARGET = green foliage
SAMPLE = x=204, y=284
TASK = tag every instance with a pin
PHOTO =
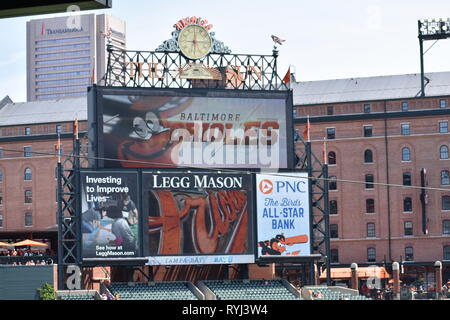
x=47, y=292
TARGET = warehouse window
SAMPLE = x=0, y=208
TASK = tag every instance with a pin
x=405, y=129
x=27, y=153
x=407, y=204
x=407, y=181
x=333, y=207
x=446, y=203
x=405, y=106
x=332, y=158
x=445, y=177
x=334, y=231
x=443, y=153
x=406, y=154
x=332, y=183
x=28, y=176
x=370, y=206
x=369, y=181
x=330, y=110
x=334, y=255
x=368, y=131
x=409, y=254
x=446, y=252
x=28, y=219
x=368, y=156
x=446, y=227
x=371, y=255
x=408, y=228
x=28, y=196
x=331, y=133
x=371, y=230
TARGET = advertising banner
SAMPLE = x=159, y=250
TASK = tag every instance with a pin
x=110, y=215
x=173, y=130
x=198, y=218
x=283, y=214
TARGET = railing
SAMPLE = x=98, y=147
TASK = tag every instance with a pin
x=152, y=69
x=24, y=259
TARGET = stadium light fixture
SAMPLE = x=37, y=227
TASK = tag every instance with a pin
x=431, y=29
x=20, y=8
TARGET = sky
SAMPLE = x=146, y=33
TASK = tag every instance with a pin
x=325, y=39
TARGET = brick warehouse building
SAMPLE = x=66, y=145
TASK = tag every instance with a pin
x=379, y=130
x=28, y=185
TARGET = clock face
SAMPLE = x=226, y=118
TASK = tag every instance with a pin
x=194, y=42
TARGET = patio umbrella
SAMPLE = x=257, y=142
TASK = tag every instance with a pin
x=3, y=244
x=29, y=243
x=392, y=281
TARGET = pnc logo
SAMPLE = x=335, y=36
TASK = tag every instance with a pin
x=266, y=186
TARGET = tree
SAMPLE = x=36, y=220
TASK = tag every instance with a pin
x=47, y=292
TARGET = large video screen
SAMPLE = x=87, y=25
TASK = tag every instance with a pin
x=283, y=215
x=110, y=220
x=197, y=129
x=198, y=218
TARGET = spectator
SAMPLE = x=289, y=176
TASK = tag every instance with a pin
x=318, y=295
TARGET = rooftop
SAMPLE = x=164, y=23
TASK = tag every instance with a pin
x=404, y=86
x=35, y=112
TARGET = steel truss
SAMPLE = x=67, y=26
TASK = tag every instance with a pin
x=320, y=220
x=153, y=69
x=69, y=211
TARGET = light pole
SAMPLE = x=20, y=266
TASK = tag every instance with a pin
x=431, y=29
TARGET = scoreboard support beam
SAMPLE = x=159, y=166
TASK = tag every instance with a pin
x=320, y=224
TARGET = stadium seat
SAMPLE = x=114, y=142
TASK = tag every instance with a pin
x=158, y=291
x=250, y=290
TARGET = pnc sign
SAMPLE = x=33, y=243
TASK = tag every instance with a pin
x=266, y=187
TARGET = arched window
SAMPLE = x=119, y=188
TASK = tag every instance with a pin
x=369, y=181
x=445, y=177
x=368, y=156
x=443, y=153
x=28, y=219
x=332, y=158
x=407, y=204
x=371, y=230
x=371, y=255
x=28, y=176
x=406, y=154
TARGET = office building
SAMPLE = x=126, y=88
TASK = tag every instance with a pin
x=67, y=54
